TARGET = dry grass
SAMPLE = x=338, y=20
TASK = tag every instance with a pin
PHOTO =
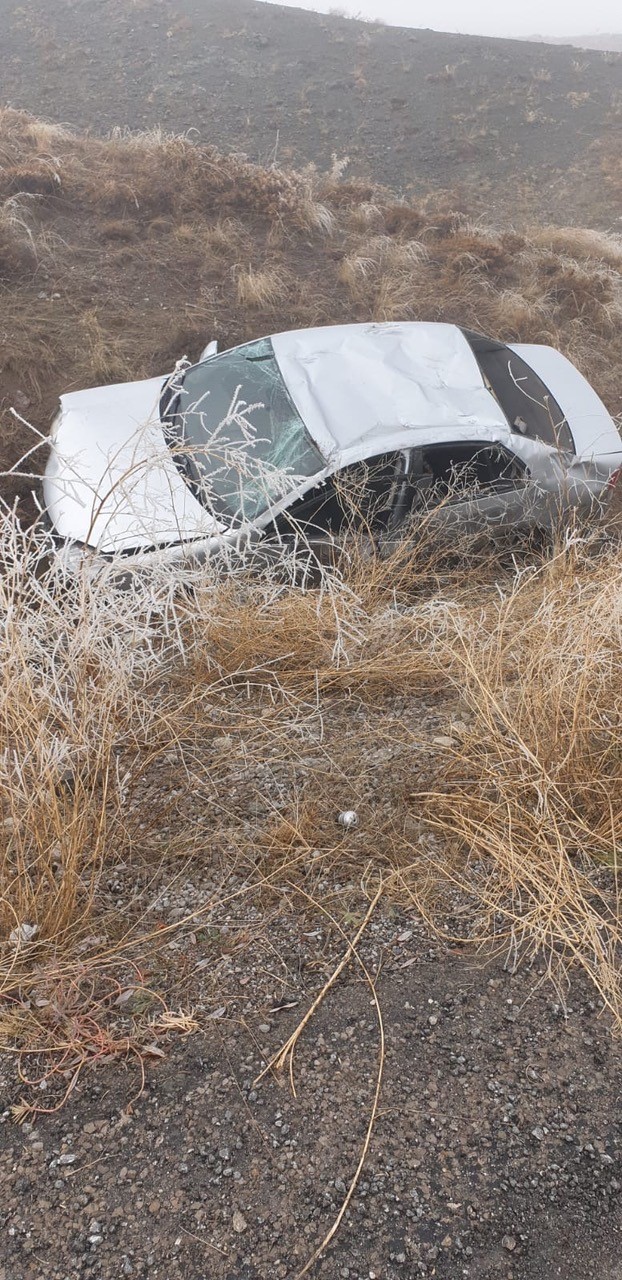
x=541, y=288
x=521, y=807
x=167, y=244
x=228, y=236
x=17, y=246
x=120, y=229
x=103, y=353
x=263, y=289
x=530, y=799
x=367, y=216
x=68, y=700
x=581, y=243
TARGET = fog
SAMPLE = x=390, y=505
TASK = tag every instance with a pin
x=482, y=17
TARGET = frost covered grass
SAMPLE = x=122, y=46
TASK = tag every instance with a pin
x=517, y=818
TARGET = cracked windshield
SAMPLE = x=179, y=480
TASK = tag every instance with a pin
x=243, y=441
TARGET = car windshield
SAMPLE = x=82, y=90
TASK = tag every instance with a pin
x=526, y=402
x=236, y=434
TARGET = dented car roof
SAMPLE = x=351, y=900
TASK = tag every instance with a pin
x=352, y=382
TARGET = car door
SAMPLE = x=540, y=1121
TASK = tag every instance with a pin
x=358, y=501
x=470, y=486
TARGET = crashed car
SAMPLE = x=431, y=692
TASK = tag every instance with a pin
x=416, y=420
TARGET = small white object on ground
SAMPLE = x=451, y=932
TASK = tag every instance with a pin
x=349, y=818
x=23, y=933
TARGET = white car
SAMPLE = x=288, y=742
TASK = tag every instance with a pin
x=266, y=438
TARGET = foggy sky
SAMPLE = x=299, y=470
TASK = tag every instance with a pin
x=483, y=17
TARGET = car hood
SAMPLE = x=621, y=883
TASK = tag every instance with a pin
x=593, y=429
x=111, y=481
x=351, y=383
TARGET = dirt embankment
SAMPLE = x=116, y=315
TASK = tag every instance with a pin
x=119, y=257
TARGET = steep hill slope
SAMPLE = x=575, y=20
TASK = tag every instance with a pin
x=606, y=42
x=518, y=126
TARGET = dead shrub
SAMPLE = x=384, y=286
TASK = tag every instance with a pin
x=44, y=135
x=18, y=253
x=519, y=316
x=580, y=243
x=529, y=798
x=119, y=229
x=40, y=180
x=443, y=225
x=403, y=220
x=385, y=275
x=477, y=250
x=18, y=259
x=578, y=293
x=348, y=193
x=367, y=217
x=227, y=236
x=262, y=289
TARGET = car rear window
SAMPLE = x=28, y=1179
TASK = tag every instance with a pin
x=527, y=403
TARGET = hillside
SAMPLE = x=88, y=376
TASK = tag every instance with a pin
x=517, y=129
x=605, y=43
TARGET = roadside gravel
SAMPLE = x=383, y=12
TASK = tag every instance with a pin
x=496, y=1152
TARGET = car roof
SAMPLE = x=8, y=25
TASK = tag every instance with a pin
x=356, y=385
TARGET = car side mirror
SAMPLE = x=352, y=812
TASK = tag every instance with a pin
x=210, y=350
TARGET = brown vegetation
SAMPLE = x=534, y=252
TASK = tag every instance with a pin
x=17, y=251
x=417, y=110
x=261, y=290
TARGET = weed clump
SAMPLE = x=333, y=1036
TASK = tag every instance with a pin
x=263, y=289
x=18, y=258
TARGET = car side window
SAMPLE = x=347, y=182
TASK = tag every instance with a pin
x=526, y=402
x=463, y=471
x=360, y=496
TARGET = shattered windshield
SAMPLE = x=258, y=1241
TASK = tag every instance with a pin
x=236, y=434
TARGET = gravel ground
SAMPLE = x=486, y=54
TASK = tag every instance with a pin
x=496, y=1152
